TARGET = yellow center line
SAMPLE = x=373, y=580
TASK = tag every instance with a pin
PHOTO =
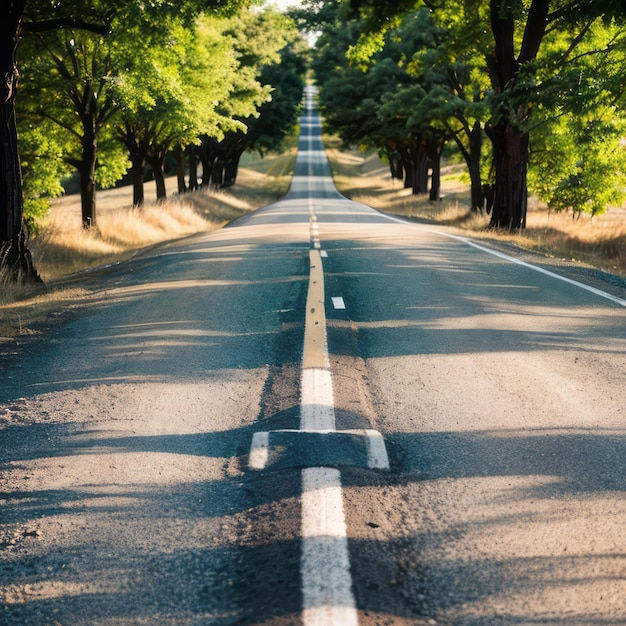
x=314, y=353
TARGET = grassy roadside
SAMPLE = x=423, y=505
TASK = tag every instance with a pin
x=599, y=242
x=62, y=247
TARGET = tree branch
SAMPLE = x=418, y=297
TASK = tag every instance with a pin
x=68, y=22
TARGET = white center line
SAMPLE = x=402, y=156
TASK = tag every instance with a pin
x=317, y=410
x=325, y=565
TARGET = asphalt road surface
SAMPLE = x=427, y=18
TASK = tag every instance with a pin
x=320, y=415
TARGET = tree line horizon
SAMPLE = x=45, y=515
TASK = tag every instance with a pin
x=529, y=94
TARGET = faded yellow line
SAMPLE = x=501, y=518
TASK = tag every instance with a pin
x=315, y=322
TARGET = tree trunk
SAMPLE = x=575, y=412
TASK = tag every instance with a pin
x=475, y=140
x=471, y=150
x=205, y=159
x=434, y=154
x=87, y=173
x=156, y=159
x=217, y=173
x=510, y=155
x=136, y=170
x=407, y=166
x=510, y=144
x=231, y=169
x=179, y=155
x=137, y=164
x=476, y=188
x=137, y=148
x=193, y=168
x=15, y=258
x=395, y=164
x=420, y=168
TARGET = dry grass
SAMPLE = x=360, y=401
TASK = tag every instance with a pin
x=599, y=242
x=62, y=247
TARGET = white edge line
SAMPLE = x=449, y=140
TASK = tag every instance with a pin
x=536, y=268
x=511, y=259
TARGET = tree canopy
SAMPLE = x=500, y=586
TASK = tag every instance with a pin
x=106, y=84
x=541, y=81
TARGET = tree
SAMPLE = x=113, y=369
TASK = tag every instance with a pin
x=578, y=158
x=17, y=18
x=351, y=98
x=69, y=78
x=276, y=118
x=257, y=39
x=518, y=30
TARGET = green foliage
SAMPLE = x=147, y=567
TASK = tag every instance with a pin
x=112, y=162
x=579, y=162
x=42, y=168
x=548, y=69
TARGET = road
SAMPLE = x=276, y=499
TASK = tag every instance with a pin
x=206, y=441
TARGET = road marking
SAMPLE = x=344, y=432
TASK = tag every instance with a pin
x=325, y=562
x=318, y=447
x=324, y=254
x=317, y=410
x=328, y=599
x=530, y=266
x=315, y=352
x=259, y=451
x=325, y=566
x=536, y=268
x=376, y=451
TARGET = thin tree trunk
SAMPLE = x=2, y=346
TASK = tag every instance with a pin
x=407, y=166
x=137, y=164
x=217, y=173
x=475, y=137
x=231, y=169
x=156, y=159
x=193, y=168
x=434, y=154
x=137, y=148
x=179, y=155
x=395, y=164
x=87, y=173
x=420, y=168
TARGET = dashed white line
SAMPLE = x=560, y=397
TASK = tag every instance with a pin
x=338, y=302
x=325, y=562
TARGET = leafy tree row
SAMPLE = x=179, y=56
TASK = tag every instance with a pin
x=107, y=86
x=531, y=92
